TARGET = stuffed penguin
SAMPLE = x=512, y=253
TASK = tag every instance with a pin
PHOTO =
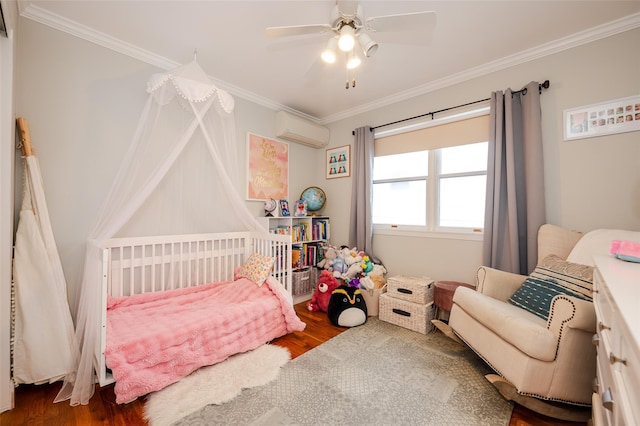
x=347, y=307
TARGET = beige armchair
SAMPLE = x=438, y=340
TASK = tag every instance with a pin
x=552, y=360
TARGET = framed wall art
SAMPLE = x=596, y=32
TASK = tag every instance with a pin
x=267, y=168
x=605, y=118
x=339, y=162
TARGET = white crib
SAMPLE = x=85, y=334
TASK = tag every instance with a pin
x=138, y=265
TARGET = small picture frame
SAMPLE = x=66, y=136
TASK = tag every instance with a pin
x=301, y=208
x=339, y=162
x=284, y=208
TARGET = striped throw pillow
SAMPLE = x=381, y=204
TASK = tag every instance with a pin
x=551, y=277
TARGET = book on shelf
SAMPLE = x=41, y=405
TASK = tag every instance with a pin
x=297, y=257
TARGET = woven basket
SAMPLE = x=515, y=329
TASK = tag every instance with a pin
x=301, y=281
x=414, y=316
x=412, y=289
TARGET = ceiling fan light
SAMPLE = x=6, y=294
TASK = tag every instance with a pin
x=346, y=40
x=354, y=62
x=329, y=54
x=369, y=47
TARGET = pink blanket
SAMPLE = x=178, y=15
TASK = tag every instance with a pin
x=155, y=339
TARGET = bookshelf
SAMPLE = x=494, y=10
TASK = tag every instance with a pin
x=309, y=235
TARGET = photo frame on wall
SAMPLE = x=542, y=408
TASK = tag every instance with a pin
x=338, y=162
x=267, y=168
x=605, y=118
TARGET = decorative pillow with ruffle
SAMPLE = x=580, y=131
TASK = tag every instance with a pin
x=257, y=268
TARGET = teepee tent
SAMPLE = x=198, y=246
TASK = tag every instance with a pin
x=180, y=175
x=43, y=329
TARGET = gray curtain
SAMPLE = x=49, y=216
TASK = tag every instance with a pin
x=361, y=224
x=515, y=207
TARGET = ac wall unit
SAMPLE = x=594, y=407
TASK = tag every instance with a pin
x=297, y=129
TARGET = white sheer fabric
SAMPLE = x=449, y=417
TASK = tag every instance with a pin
x=180, y=175
x=43, y=333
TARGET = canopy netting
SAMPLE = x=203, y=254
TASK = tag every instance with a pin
x=180, y=175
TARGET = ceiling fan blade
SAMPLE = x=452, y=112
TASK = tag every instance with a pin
x=297, y=30
x=424, y=21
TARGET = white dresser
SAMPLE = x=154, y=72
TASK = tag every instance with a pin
x=616, y=398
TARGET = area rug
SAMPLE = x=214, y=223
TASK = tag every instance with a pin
x=374, y=374
x=215, y=384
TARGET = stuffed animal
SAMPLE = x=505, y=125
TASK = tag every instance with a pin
x=339, y=267
x=354, y=271
x=367, y=265
x=350, y=256
x=347, y=307
x=353, y=282
x=321, y=295
x=378, y=270
x=330, y=254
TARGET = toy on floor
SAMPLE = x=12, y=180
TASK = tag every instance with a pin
x=321, y=295
x=330, y=254
x=347, y=307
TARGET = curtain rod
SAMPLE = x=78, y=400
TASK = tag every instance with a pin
x=541, y=86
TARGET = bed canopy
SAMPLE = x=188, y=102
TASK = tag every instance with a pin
x=180, y=175
x=43, y=328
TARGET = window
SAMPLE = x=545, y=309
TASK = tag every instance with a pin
x=441, y=188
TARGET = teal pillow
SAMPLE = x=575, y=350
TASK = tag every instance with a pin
x=551, y=277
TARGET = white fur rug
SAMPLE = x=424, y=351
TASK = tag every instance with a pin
x=215, y=384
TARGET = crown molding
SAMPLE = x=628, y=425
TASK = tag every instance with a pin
x=38, y=14
x=31, y=11
x=587, y=36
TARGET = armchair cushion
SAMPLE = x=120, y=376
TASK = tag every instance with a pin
x=514, y=325
x=551, y=277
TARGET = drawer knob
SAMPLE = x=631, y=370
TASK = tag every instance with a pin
x=607, y=399
x=595, y=340
x=602, y=326
x=613, y=359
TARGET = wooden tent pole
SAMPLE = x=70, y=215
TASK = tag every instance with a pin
x=25, y=137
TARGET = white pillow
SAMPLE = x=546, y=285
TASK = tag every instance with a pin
x=598, y=242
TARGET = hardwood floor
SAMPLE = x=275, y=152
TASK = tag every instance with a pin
x=34, y=404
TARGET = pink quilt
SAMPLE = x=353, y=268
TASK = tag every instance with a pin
x=155, y=339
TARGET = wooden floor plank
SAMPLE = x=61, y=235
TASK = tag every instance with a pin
x=35, y=407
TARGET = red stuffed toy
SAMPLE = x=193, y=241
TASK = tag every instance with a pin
x=321, y=295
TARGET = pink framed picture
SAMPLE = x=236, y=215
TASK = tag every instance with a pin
x=267, y=168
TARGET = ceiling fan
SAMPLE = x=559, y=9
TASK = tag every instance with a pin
x=348, y=28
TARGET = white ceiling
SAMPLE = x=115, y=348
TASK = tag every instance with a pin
x=471, y=38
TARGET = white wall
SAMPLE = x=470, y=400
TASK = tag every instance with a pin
x=589, y=183
x=83, y=103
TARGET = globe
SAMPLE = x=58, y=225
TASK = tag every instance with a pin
x=315, y=198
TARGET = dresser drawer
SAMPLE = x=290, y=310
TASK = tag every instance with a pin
x=629, y=368
x=603, y=306
x=605, y=389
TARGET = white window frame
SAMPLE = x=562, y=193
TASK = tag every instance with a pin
x=432, y=229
